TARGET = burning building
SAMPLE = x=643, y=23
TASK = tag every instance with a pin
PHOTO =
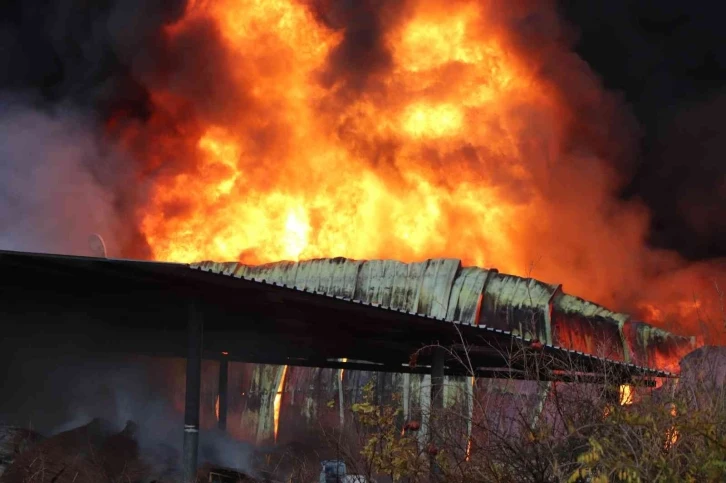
x=369, y=316
x=279, y=402
x=258, y=131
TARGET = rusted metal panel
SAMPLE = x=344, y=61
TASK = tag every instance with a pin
x=587, y=327
x=656, y=347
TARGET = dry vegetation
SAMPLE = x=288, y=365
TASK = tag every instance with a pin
x=673, y=433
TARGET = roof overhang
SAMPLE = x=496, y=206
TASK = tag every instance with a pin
x=111, y=305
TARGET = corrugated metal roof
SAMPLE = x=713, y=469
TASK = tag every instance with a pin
x=436, y=289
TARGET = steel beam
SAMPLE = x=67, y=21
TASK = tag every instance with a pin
x=223, y=397
x=195, y=331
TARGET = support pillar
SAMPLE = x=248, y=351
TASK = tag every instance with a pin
x=223, y=397
x=437, y=405
x=437, y=379
x=195, y=331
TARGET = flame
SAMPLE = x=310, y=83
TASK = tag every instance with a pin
x=626, y=394
x=453, y=141
x=278, y=401
x=672, y=434
x=326, y=198
x=625, y=398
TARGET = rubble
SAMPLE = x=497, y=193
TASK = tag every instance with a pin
x=92, y=453
x=87, y=454
x=13, y=441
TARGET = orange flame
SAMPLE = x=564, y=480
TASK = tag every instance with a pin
x=626, y=394
x=278, y=402
x=216, y=408
x=458, y=145
x=326, y=183
x=672, y=434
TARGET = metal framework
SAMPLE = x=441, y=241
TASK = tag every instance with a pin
x=168, y=309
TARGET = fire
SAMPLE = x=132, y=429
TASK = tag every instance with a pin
x=625, y=398
x=626, y=394
x=216, y=408
x=672, y=434
x=447, y=135
x=316, y=192
x=278, y=401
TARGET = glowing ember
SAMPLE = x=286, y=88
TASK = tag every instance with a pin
x=216, y=408
x=278, y=401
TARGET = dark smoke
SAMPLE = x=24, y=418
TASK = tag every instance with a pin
x=668, y=58
x=65, y=67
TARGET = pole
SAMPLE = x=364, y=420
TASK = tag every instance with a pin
x=195, y=329
x=437, y=406
x=223, y=383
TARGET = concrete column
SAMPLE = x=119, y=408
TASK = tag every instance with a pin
x=195, y=330
x=223, y=397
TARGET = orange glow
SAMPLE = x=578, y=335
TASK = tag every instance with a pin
x=469, y=439
x=342, y=371
x=672, y=434
x=278, y=401
x=626, y=394
x=323, y=182
x=461, y=142
x=216, y=408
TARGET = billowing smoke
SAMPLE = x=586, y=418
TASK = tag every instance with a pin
x=668, y=60
x=57, y=181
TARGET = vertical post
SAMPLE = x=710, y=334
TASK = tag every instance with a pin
x=437, y=405
x=195, y=331
x=437, y=379
x=223, y=398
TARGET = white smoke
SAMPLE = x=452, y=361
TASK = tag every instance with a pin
x=118, y=391
x=50, y=199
